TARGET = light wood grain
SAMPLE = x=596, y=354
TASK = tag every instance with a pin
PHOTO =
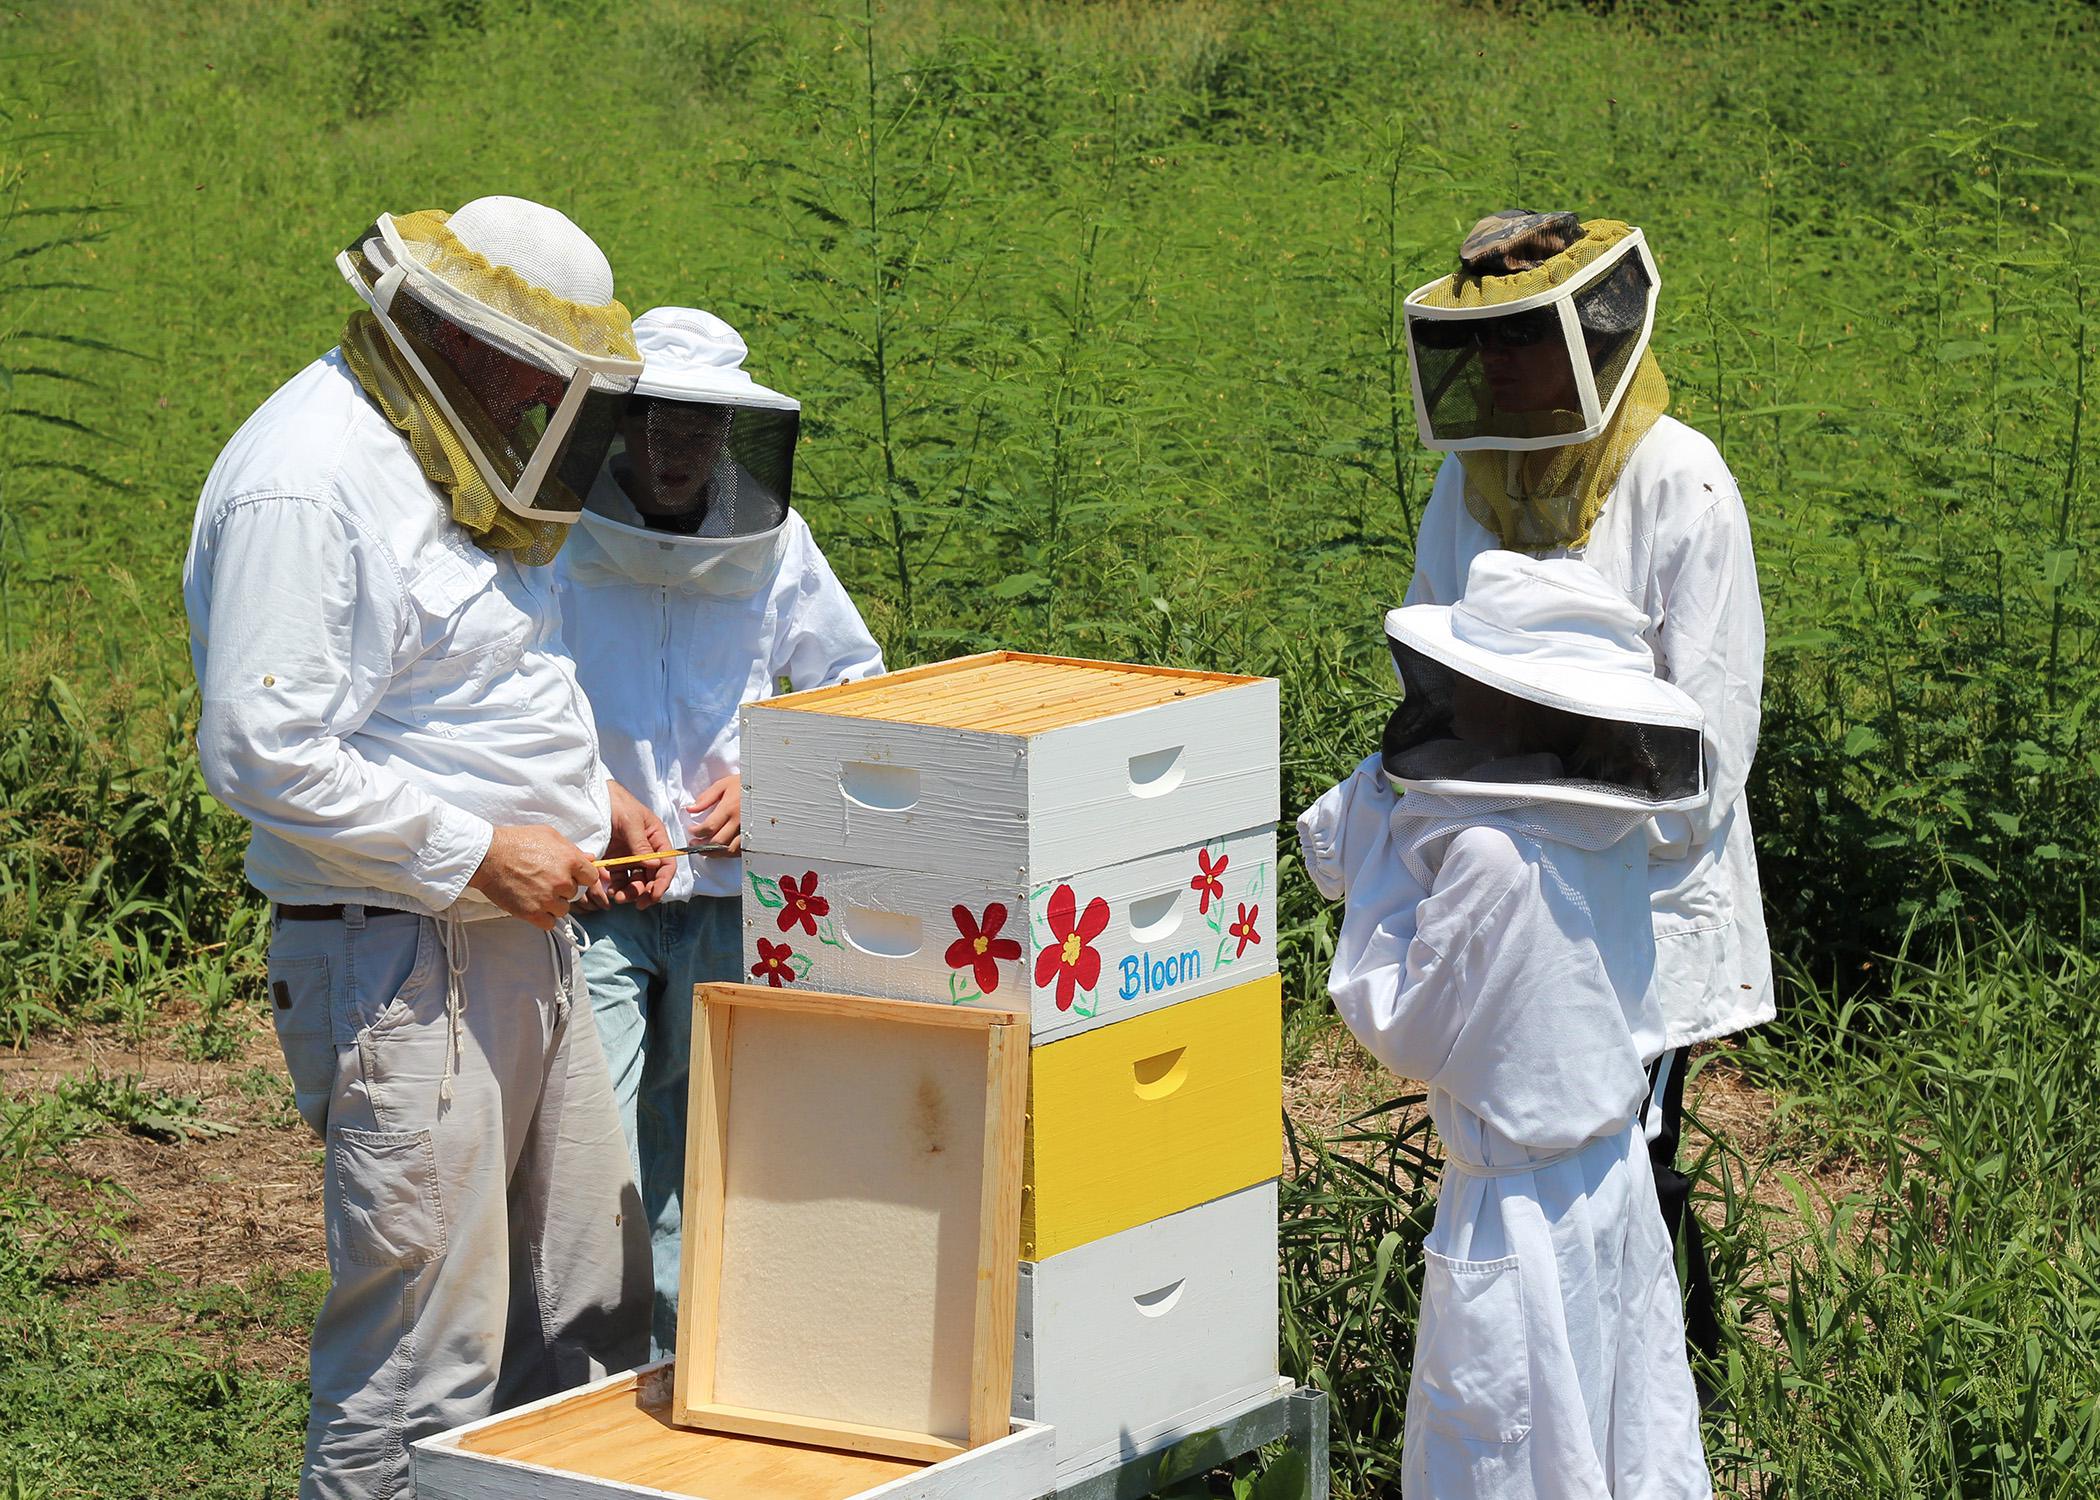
x=856, y=1007
x=1008, y=693
x=706, y=1163
x=853, y=1164
x=850, y=1437
x=613, y=1441
x=999, y=1230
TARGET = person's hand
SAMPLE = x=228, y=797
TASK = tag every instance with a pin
x=635, y=830
x=723, y=804
x=533, y=873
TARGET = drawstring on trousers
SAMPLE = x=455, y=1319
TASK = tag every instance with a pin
x=565, y=934
x=452, y=931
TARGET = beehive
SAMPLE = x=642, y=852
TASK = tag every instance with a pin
x=1097, y=837
x=1097, y=842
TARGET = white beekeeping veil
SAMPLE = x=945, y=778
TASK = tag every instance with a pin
x=506, y=357
x=695, y=489
x=1534, y=700
x=1534, y=342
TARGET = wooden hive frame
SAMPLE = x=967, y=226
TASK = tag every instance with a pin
x=1008, y=692
x=982, y=1383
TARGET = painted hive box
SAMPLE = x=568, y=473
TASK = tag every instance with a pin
x=1133, y=1122
x=1125, y=1345
x=1097, y=838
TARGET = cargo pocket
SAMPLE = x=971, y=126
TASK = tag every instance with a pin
x=1472, y=1360
x=302, y=1009
x=382, y=1199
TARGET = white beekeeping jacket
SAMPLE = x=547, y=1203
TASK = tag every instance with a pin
x=1475, y=950
x=1674, y=538
x=378, y=692
x=1508, y=970
x=673, y=634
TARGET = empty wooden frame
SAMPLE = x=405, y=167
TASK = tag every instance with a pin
x=852, y=1221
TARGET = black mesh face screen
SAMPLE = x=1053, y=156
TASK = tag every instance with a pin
x=1619, y=302
x=1612, y=314
x=707, y=468
x=505, y=403
x=1424, y=713
x=1453, y=727
x=1496, y=377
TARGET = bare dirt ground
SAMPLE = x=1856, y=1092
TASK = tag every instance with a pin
x=205, y=1210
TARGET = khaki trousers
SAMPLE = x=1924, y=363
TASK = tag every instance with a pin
x=484, y=1249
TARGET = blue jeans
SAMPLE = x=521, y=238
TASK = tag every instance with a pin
x=641, y=967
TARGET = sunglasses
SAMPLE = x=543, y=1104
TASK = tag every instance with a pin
x=1517, y=331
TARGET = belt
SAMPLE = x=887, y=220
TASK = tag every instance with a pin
x=333, y=912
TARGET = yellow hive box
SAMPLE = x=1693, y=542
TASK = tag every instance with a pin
x=1132, y=1122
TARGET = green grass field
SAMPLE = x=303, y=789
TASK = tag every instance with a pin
x=1092, y=308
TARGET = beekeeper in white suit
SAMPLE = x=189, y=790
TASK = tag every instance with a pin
x=691, y=587
x=1497, y=945
x=1532, y=368
x=386, y=699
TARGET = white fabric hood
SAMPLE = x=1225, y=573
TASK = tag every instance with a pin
x=611, y=545
x=1538, y=687
x=689, y=354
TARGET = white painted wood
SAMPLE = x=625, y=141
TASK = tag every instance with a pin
x=1241, y=1427
x=1019, y=1466
x=1159, y=778
x=1010, y=807
x=1126, y=1344
x=888, y=932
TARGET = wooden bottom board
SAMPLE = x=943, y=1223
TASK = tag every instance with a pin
x=615, y=1435
x=612, y=1440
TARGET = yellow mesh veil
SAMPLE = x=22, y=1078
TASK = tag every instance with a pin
x=550, y=330
x=388, y=380
x=1548, y=499
x=600, y=332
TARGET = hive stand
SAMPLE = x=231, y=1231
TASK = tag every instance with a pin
x=1296, y=1414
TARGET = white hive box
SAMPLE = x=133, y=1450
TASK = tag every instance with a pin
x=613, y=1440
x=1127, y=1344
x=1010, y=767
x=1026, y=801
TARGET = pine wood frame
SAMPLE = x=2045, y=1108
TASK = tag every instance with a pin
x=1006, y=1041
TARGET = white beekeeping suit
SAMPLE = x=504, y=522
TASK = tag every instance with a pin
x=1497, y=946
x=386, y=700
x=1599, y=472
x=690, y=588
x=674, y=625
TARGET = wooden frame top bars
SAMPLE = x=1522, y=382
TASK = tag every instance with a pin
x=1007, y=692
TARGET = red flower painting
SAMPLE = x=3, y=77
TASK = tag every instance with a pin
x=800, y=905
x=1209, y=881
x=980, y=948
x=1244, y=929
x=1071, y=958
x=774, y=964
